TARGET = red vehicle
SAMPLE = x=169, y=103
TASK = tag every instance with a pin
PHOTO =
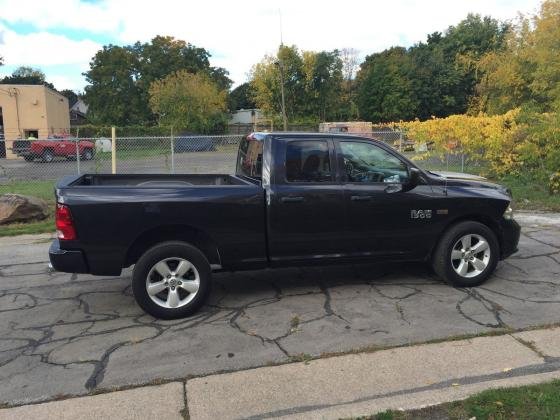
x=48, y=149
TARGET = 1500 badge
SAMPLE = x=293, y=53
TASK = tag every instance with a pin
x=420, y=214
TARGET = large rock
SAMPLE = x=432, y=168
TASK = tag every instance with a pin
x=21, y=208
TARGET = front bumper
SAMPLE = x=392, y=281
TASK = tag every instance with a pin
x=67, y=261
x=511, y=232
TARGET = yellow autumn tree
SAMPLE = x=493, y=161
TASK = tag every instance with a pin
x=527, y=71
x=188, y=101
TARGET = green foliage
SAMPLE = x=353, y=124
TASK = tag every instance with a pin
x=188, y=101
x=435, y=78
x=554, y=183
x=526, y=73
x=27, y=76
x=385, y=89
x=70, y=94
x=119, y=78
x=313, y=84
x=242, y=97
x=92, y=130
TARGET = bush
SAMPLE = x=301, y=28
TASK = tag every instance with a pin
x=554, y=183
x=515, y=142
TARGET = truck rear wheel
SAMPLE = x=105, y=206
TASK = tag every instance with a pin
x=88, y=154
x=171, y=280
x=466, y=255
x=48, y=156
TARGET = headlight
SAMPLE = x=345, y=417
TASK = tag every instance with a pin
x=508, y=214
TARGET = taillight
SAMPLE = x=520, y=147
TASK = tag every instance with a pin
x=64, y=225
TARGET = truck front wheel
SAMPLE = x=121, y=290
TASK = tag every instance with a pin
x=466, y=255
x=171, y=280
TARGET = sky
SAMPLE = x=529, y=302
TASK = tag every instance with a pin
x=61, y=36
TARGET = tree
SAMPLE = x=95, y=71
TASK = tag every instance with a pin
x=120, y=77
x=188, y=101
x=242, y=97
x=312, y=84
x=350, y=62
x=385, y=90
x=433, y=78
x=527, y=71
x=113, y=94
x=70, y=95
x=27, y=76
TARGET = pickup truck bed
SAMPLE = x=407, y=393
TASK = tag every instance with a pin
x=157, y=181
x=129, y=212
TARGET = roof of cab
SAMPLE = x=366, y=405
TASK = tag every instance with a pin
x=260, y=135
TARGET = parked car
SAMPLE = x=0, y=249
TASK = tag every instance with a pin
x=193, y=144
x=54, y=146
x=296, y=199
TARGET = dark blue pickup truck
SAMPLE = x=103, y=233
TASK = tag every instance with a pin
x=296, y=199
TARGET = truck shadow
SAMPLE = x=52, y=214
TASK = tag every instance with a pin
x=289, y=281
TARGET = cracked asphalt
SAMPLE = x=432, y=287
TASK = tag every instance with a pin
x=63, y=334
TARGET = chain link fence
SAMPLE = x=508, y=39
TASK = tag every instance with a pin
x=33, y=166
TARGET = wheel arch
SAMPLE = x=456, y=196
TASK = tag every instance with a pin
x=475, y=217
x=174, y=232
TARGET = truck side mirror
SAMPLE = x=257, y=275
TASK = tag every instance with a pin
x=413, y=178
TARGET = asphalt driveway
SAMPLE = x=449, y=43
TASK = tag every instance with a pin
x=71, y=334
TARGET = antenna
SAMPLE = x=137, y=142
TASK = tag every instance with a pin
x=280, y=18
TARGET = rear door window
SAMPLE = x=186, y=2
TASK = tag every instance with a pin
x=308, y=161
x=249, y=158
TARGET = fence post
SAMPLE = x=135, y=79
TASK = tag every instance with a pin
x=78, y=149
x=400, y=140
x=113, y=151
x=172, y=153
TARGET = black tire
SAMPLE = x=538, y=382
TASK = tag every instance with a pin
x=29, y=158
x=48, y=156
x=87, y=154
x=441, y=258
x=169, y=251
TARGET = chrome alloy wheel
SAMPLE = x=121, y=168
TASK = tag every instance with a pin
x=172, y=283
x=470, y=255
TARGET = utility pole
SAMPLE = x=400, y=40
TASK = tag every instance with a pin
x=284, y=117
x=281, y=68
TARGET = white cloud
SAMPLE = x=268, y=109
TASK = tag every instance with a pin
x=76, y=14
x=44, y=49
x=240, y=33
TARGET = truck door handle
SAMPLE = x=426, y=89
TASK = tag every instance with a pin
x=360, y=197
x=291, y=199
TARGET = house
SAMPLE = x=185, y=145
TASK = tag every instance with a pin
x=78, y=111
x=353, y=127
x=246, y=116
x=31, y=111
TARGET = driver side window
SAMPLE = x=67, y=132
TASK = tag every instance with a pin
x=366, y=162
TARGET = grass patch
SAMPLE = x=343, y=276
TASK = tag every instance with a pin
x=41, y=189
x=530, y=192
x=41, y=226
x=540, y=401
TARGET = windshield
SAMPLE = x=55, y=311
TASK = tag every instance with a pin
x=249, y=157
